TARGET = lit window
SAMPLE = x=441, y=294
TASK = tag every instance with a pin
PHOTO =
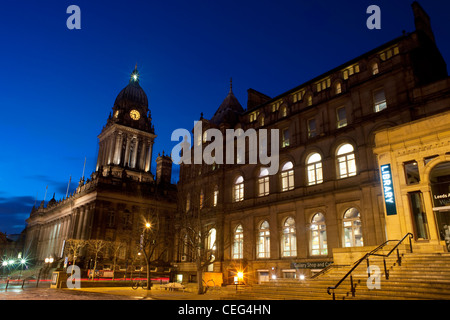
x=346, y=161
x=338, y=88
x=283, y=111
x=276, y=106
x=287, y=176
x=285, y=138
x=375, y=69
x=239, y=189
x=379, y=100
x=261, y=121
x=215, y=196
x=263, y=182
x=314, y=168
x=318, y=235
x=346, y=73
x=312, y=130
x=298, y=96
x=309, y=101
x=238, y=243
x=289, y=239
x=253, y=116
x=341, y=117
x=411, y=172
x=324, y=84
x=201, y=200
x=263, y=241
x=352, y=229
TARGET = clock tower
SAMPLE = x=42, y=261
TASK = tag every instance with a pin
x=126, y=141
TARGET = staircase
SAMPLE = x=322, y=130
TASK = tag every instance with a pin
x=419, y=276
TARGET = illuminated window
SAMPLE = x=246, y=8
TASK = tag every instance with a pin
x=216, y=196
x=309, y=101
x=253, y=116
x=201, y=200
x=341, y=115
x=314, y=167
x=263, y=182
x=211, y=245
x=239, y=189
x=379, y=100
x=411, y=172
x=324, y=84
x=389, y=53
x=263, y=241
x=352, y=229
x=375, y=69
x=289, y=239
x=312, y=129
x=298, y=96
x=346, y=73
x=318, y=235
x=346, y=161
x=261, y=121
x=338, y=88
x=276, y=106
x=238, y=243
x=283, y=111
x=285, y=138
x=287, y=176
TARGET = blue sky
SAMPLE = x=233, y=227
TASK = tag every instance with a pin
x=58, y=85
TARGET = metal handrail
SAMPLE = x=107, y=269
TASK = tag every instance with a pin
x=366, y=257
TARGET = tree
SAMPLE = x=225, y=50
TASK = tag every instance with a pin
x=74, y=246
x=196, y=235
x=96, y=246
x=116, y=247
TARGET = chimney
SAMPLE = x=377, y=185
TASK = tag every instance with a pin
x=422, y=20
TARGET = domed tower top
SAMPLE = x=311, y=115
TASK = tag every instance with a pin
x=229, y=110
x=131, y=106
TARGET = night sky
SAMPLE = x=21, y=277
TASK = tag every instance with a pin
x=58, y=86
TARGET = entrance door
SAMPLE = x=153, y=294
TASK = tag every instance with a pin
x=418, y=215
x=443, y=223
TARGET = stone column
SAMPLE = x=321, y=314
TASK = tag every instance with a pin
x=148, y=160
x=126, y=160
x=142, y=156
x=135, y=150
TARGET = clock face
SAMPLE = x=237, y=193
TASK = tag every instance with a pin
x=135, y=115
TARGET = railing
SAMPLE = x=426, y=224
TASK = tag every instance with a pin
x=366, y=257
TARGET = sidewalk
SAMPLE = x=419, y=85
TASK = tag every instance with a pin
x=160, y=294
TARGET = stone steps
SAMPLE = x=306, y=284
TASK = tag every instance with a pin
x=420, y=276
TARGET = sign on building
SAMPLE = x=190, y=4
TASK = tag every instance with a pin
x=388, y=190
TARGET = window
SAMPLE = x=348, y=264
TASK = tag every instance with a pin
x=283, y=111
x=215, y=196
x=253, y=116
x=238, y=243
x=261, y=121
x=324, y=84
x=211, y=245
x=239, y=189
x=201, y=200
x=352, y=229
x=346, y=161
x=314, y=162
x=285, y=138
x=375, y=69
x=318, y=235
x=389, y=53
x=287, y=176
x=411, y=172
x=263, y=241
x=263, y=182
x=379, y=100
x=289, y=239
x=276, y=106
x=312, y=130
x=298, y=96
x=188, y=202
x=418, y=214
x=341, y=115
x=346, y=73
x=338, y=88
x=309, y=101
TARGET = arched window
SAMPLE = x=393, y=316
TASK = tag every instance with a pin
x=318, y=235
x=238, y=243
x=263, y=241
x=352, y=228
x=201, y=199
x=215, y=196
x=289, y=239
x=309, y=100
x=375, y=69
x=287, y=176
x=263, y=182
x=338, y=88
x=211, y=245
x=239, y=189
x=314, y=167
x=188, y=202
x=346, y=161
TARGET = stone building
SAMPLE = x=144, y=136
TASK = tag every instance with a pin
x=119, y=197
x=326, y=199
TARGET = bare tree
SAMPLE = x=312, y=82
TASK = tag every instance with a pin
x=116, y=247
x=196, y=235
x=74, y=246
x=96, y=246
